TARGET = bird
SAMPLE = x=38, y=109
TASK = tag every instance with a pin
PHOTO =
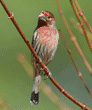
x=44, y=42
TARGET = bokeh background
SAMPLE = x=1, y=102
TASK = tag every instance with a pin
x=15, y=58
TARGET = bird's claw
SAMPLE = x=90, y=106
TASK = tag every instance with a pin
x=42, y=69
x=47, y=76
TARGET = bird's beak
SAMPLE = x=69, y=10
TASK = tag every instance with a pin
x=42, y=17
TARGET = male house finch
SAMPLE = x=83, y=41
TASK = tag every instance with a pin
x=44, y=41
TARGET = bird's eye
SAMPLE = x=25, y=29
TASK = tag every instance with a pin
x=49, y=17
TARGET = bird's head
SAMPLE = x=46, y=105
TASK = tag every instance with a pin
x=46, y=18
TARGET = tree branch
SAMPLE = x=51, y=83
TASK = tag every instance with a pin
x=81, y=13
x=81, y=23
x=73, y=38
x=79, y=73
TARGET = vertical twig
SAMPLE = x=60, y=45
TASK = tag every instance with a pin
x=81, y=13
x=81, y=23
x=79, y=73
x=73, y=38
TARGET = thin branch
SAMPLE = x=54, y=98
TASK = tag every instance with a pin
x=79, y=73
x=81, y=13
x=24, y=37
x=81, y=23
x=42, y=65
x=73, y=38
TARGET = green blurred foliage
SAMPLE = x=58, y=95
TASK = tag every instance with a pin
x=15, y=83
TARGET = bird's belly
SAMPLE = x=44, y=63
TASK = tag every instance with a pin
x=48, y=36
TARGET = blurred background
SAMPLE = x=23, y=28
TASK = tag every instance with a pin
x=15, y=58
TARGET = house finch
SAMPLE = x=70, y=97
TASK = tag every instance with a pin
x=44, y=41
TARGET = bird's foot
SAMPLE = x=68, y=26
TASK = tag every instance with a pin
x=48, y=75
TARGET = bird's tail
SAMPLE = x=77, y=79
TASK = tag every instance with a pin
x=35, y=89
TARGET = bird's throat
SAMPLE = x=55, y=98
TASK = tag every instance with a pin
x=41, y=23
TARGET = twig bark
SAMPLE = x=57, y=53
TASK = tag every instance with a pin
x=81, y=13
x=38, y=59
x=81, y=23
